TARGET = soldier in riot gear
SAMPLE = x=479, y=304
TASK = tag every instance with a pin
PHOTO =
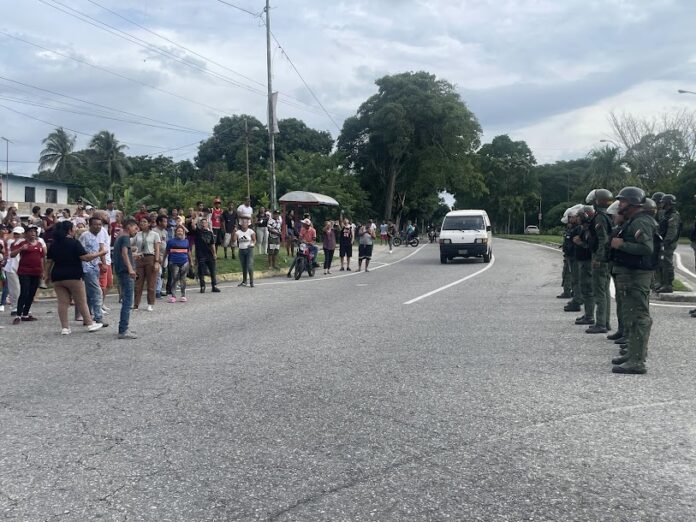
x=633, y=260
x=583, y=257
x=599, y=229
x=670, y=227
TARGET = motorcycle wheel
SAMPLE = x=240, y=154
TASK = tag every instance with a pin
x=396, y=241
x=299, y=267
x=414, y=242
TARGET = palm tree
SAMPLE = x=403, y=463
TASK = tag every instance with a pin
x=609, y=169
x=110, y=154
x=59, y=154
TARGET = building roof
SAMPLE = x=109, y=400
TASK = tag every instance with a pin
x=24, y=179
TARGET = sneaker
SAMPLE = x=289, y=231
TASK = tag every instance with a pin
x=349, y=270
x=17, y=320
x=149, y=308
x=2, y=308
x=127, y=335
x=243, y=283
x=105, y=311
x=251, y=285
x=171, y=299
x=29, y=318
x=183, y=299
x=342, y=269
x=94, y=327
x=328, y=272
x=216, y=290
x=202, y=289
x=65, y=331
x=104, y=325
x=158, y=295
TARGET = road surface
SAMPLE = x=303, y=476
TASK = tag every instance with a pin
x=333, y=399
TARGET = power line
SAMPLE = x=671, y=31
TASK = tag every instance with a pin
x=55, y=125
x=93, y=115
x=112, y=109
x=255, y=15
x=282, y=50
x=79, y=15
x=113, y=73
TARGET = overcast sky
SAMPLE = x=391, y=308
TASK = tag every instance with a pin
x=544, y=71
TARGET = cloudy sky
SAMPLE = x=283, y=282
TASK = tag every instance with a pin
x=545, y=71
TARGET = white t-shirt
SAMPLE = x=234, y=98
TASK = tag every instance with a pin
x=244, y=212
x=103, y=237
x=244, y=239
x=12, y=262
x=112, y=215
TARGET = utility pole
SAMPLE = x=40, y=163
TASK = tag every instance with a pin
x=7, y=162
x=271, y=118
x=246, y=142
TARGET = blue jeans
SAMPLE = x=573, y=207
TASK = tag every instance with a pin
x=127, y=285
x=5, y=291
x=94, y=295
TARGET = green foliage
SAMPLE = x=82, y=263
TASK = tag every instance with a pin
x=59, y=156
x=410, y=141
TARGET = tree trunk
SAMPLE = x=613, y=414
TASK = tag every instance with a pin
x=391, y=187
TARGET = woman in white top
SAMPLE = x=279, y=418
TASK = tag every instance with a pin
x=246, y=240
x=147, y=264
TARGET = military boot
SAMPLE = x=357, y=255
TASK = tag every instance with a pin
x=596, y=329
x=666, y=289
x=631, y=370
x=615, y=336
x=619, y=360
x=564, y=295
x=621, y=340
x=584, y=320
x=572, y=307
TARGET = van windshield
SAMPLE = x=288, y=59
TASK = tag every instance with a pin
x=463, y=223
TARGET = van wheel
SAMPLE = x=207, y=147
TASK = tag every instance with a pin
x=487, y=257
x=443, y=259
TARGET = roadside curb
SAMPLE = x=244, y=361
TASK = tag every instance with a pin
x=677, y=297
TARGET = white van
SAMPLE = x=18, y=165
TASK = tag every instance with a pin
x=466, y=233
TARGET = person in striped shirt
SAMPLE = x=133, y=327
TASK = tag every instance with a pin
x=178, y=259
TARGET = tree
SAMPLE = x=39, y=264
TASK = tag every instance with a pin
x=513, y=189
x=295, y=136
x=59, y=155
x=110, y=157
x=608, y=169
x=414, y=137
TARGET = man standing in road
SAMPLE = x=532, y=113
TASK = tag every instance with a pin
x=599, y=232
x=125, y=271
x=669, y=230
x=205, y=253
x=633, y=263
x=90, y=240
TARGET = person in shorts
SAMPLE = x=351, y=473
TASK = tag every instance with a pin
x=273, y=228
x=345, y=245
x=366, y=236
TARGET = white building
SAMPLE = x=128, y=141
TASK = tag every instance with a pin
x=22, y=189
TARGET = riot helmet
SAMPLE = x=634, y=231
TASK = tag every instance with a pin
x=613, y=208
x=670, y=199
x=657, y=197
x=634, y=196
x=650, y=206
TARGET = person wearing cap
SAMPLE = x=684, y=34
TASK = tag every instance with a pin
x=216, y=223
x=308, y=234
x=633, y=261
x=29, y=271
x=670, y=228
x=274, y=233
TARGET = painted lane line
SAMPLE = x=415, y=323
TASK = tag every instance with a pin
x=681, y=267
x=450, y=285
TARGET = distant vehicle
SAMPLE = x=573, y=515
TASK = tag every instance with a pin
x=466, y=233
x=532, y=229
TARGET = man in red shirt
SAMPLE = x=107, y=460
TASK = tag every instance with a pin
x=142, y=213
x=216, y=223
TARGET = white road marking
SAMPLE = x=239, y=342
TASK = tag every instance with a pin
x=450, y=285
x=681, y=267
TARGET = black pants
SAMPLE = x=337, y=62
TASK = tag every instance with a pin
x=210, y=263
x=28, y=285
x=328, y=257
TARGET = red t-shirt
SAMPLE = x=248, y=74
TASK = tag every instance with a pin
x=141, y=215
x=30, y=259
x=216, y=218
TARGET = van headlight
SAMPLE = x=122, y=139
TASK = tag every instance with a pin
x=445, y=241
x=481, y=240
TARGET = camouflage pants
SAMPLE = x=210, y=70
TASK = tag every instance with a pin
x=586, y=287
x=634, y=288
x=567, y=281
x=666, y=268
x=619, y=311
x=575, y=280
x=600, y=289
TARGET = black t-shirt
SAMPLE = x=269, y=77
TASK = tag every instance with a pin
x=66, y=259
x=204, y=240
x=229, y=220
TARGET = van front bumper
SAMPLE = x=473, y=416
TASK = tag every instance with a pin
x=463, y=249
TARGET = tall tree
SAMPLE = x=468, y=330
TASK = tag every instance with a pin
x=608, y=169
x=415, y=128
x=59, y=154
x=110, y=156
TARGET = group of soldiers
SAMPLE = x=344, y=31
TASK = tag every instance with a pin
x=630, y=239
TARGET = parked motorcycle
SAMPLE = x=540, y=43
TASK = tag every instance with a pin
x=304, y=260
x=413, y=241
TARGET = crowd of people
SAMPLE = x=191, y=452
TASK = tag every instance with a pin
x=630, y=239
x=87, y=253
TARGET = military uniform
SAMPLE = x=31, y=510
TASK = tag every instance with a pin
x=567, y=280
x=599, y=231
x=583, y=257
x=633, y=272
x=669, y=230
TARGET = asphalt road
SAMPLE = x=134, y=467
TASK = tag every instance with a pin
x=330, y=399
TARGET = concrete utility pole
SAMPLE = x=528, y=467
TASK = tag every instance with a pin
x=7, y=162
x=271, y=118
x=246, y=143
